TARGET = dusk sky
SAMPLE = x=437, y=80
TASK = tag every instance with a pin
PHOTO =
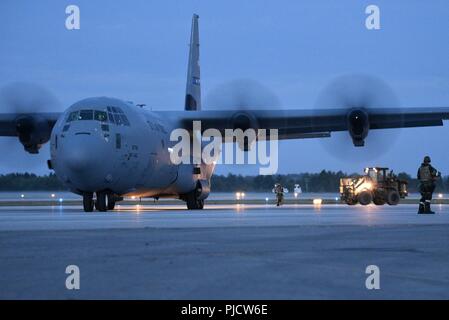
x=137, y=50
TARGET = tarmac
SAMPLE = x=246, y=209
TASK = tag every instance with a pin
x=232, y=251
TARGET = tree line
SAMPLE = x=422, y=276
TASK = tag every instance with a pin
x=324, y=181
x=29, y=182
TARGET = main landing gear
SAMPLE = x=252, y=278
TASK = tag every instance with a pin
x=104, y=201
x=193, y=200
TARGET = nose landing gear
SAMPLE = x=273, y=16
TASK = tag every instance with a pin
x=88, y=201
x=100, y=204
x=111, y=201
x=104, y=201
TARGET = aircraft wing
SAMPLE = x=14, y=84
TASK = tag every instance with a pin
x=297, y=124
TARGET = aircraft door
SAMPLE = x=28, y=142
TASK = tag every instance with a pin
x=159, y=172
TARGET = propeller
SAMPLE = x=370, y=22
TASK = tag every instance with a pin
x=242, y=95
x=358, y=94
x=24, y=99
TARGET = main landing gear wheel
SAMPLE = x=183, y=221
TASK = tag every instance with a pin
x=111, y=202
x=193, y=202
x=88, y=201
x=100, y=204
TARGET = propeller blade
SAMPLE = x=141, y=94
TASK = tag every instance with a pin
x=24, y=97
x=358, y=92
x=241, y=94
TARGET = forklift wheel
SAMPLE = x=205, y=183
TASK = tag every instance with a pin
x=365, y=198
x=393, y=197
x=379, y=201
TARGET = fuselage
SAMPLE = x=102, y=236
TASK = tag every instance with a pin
x=106, y=144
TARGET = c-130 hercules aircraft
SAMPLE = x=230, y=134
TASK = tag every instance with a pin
x=111, y=148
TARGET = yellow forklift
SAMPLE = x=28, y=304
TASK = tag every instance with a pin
x=378, y=185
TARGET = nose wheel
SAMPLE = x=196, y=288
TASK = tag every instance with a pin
x=104, y=201
x=88, y=201
x=111, y=201
x=100, y=204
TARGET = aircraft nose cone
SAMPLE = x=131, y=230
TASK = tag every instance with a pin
x=84, y=162
x=83, y=157
x=78, y=159
x=80, y=153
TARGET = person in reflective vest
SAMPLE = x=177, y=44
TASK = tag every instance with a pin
x=427, y=176
x=279, y=191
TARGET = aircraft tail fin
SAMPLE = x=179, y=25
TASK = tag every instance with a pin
x=193, y=87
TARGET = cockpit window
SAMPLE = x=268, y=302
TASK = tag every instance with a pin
x=118, y=120
x=117, y=116
x=124, y=120
x=86, y=115
x=101, y=116
x=114, y=115
x=111, y=117
x=72, y=116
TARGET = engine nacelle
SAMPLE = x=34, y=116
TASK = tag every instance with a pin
x=358, y=126
x=33, y=132
x=244, y=121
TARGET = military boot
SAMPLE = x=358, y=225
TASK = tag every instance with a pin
x=421, y=208
x=427, y=208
